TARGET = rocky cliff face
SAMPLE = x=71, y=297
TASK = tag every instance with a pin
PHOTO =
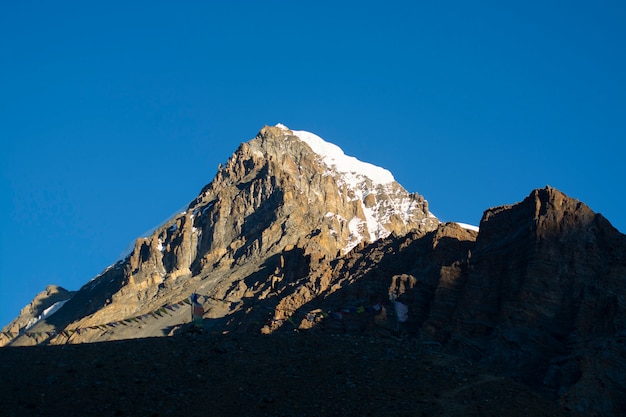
x=543, y=296
x=291, y=233
x=538, y=294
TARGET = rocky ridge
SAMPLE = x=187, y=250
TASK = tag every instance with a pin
x=44, y=304
x=537, y=294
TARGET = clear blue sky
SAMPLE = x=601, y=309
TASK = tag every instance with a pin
x=113, y=115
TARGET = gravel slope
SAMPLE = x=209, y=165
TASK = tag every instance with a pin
x=285, y=374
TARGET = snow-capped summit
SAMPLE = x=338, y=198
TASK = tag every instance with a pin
x=283, y=194
x=335, y=158
x=384, y=205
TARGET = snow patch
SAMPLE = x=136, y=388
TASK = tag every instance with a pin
x=333, y=157
x=468, y=226
x=46, y=313
x=101, y=273
x=361, y=179
x=356, y=237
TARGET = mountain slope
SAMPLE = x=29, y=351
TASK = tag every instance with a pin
x=539, y=294
x=292, y=234
x=286, y=374
x=282, y=194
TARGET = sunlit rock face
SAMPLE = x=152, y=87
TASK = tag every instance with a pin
x=284, y=203
x=276, y=190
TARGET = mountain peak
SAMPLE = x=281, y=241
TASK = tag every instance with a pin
x=334, y=157
x=282, y=195
x=385, y=206
x=291, y=229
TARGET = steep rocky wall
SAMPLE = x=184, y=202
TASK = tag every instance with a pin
x=545, y=285
x=539, y=294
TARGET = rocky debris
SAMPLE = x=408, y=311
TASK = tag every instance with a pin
x=284, y=374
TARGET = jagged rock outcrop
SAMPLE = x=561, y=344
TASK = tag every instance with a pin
x=545, y=288
x=276, y=191
x=538, y=294
x=408, y=268
x=43, y=305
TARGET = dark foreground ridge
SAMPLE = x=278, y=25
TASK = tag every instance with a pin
x=284, y=374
